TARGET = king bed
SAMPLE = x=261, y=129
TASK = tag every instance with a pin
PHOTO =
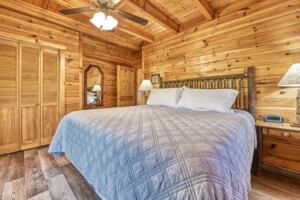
x=159, y=152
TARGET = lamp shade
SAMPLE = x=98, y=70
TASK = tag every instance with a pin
x=97, y=88
x=291, y=77
x=146, y=86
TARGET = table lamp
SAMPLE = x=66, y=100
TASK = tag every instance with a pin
x=146, y=86
x=292, y=79
x=97, y=89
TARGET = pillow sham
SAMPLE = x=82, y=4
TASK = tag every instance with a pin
x=165, y=97
x=217, y=100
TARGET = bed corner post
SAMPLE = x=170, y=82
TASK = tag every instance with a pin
x=160, y=82
x=251, y=95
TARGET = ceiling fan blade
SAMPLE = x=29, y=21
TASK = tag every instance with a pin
x=131, y=17
x=76, y=10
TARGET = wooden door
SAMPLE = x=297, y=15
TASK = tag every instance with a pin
x=126, y=86
x=50, y=94
x=9, y=116
x=30, y=96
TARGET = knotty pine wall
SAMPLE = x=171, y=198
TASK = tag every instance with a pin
x=24, y=28
x=107, y=57
x=265, y=35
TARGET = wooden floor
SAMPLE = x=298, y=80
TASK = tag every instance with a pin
x=36, y=175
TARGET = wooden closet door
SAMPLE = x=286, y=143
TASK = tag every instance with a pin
x=126, y=86
x=9, y=129
x=50, y=93
x=30, y=96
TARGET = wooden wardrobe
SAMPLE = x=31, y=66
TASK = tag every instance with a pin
x=29, y=95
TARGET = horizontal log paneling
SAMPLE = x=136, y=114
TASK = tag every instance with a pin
x=266, y=36
x=107, y=57
x=20, y=27
x=14, y=25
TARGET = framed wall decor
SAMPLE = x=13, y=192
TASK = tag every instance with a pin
x=155, y=78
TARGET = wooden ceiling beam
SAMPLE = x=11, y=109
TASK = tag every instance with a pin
x=127, y=28
x=54, y=18
x=205, y=9
x=122, y=25
x=153, y=13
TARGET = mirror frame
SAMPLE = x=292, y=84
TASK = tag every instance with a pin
x=91, y=106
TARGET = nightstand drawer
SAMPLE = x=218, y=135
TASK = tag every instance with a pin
x=281, y=156
x=282, y=133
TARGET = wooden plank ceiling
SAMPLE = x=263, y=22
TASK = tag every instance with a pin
x=166, y=17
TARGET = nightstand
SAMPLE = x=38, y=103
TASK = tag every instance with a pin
x=278, y=148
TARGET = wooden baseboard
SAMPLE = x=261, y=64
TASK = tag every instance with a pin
x=284, y=172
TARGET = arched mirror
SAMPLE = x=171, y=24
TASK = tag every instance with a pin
x=93, y=87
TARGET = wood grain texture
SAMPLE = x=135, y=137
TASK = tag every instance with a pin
x=9, y=116
x=29, y=29
x=107, y=57
x=126, y=86
x=265, y=37
x=61, y=161
x=12, y=168
x=14, y=190
x=49, y=166
x=279, y=148
x=78, y=184
x=34, y=181
x=50, y=94
x=60, y=189
x=42, y=196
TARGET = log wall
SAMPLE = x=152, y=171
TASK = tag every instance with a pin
x=107, y=57
x=80, y=52
x=24, y=28
x=266, y=36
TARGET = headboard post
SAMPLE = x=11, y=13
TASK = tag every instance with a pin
x=251, y=96
x=160, y=82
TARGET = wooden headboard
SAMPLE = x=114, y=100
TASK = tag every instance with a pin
x=243, y=83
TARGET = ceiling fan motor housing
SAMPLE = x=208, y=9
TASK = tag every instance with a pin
x=109, y=3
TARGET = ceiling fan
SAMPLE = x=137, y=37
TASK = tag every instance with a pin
x=102, y=20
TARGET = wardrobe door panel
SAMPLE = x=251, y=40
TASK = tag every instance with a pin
x=50, y=122
x=9, y=129
x=30, y=127
x=30, y=96
x=50, y=91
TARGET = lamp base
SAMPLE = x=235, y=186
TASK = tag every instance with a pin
x=295, y=124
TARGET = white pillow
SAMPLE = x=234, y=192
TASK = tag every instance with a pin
x=165, y=97
x=218, y=100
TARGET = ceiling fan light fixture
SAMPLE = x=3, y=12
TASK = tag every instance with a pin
x=104, y=23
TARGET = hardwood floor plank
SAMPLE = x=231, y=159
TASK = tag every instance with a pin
x=49, y=166
x=30, y=152
x=14, y=190
x=34, y=179
x=4, y=164
x=80, y=187
x=42, y=196
x=282, y=183
x=14, y=169
x=256, y=194
x=60, y=189
x=264, y=192
x=61, y=161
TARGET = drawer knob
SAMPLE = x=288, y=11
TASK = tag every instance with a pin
x=286, y=134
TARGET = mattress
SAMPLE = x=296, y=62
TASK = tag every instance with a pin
x=153, y=152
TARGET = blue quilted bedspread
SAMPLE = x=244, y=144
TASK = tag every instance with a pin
x=152, y=152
